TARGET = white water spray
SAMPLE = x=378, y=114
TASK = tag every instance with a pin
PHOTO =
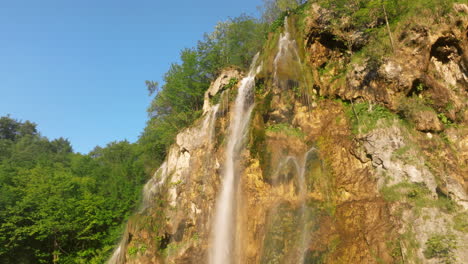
x=224, y=224
x=287, y=50
x=154, y=185
x=300, y=165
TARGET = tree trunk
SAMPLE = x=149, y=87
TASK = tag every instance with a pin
x=388, y=26
x=55, y=253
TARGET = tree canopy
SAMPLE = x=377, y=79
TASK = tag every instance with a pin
x=60, y=207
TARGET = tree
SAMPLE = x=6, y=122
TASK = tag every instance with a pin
x=233, y=43
x=60, y=207
x=152, y=87
x=272, y=9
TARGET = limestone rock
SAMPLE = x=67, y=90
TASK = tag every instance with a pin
x=381, y=144
x=427, y=121
x=219, y=84
x=461, y=8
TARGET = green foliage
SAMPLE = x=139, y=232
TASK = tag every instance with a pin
x=135, y=250
x=274, y=10
x=443, y=118
x=56, y=203
x=132, y=251
x=281, y=234
x=13, y=130
x=441, y=247
x=176, y=105
x=286, y=129
x=232, y=82
x=278, y=23
x=152, y=86
x=180, y=99
x=171, y=249
x=364, y=14
x=418, y=195
x=410, y=242
x=365, y=118
x=420, y=87
x=410, y=105
x=233, y=42
x=460, y=222
x=260, y=87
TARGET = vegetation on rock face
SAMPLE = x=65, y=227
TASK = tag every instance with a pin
x=64, y=207
x=180, y=99
x=285, y=129
x=441, y=247
x=366, y=117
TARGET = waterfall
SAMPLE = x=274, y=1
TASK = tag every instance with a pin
x=288, y=62
x=300, y=165
x=155, y=184
x=283, y=43
x=224, y=222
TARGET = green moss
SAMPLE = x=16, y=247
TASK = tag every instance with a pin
x=410, y=105
x=365, y=118
x=138, y=249
x=401, y=151
x=232, y=82
x=395, y=249
x=409, y=241
x=260, y=87
x=319, y=257
x=171, y=249
x=215, y=99
x=132, y=251
x=441, y=247
x=460, y=222
x=418, y=195
x=286, y=129
x=281, y=240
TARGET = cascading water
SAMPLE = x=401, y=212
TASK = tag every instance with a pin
x=299, y=165
x=153, y=186
x=287, y=51
x=223, y=230
x=288, y=62
x=288, y=69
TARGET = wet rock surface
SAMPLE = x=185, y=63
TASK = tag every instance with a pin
x=311, y=188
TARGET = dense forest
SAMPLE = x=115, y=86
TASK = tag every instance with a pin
x=57, y=206
x=60, y=206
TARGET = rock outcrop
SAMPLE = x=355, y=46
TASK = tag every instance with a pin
x=347, y=159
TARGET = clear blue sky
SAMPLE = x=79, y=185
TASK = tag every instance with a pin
x=77, y=67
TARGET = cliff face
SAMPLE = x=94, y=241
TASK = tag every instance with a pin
x=343, y=159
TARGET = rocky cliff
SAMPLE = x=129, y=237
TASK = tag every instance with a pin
x=345, y=158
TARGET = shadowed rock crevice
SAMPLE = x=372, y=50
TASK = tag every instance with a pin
x=445, y=49
x=417, y=87
x=328, y=40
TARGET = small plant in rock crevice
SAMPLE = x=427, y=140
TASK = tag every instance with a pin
x=365, y=118
x=441, y=247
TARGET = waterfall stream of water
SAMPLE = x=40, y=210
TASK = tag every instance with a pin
x=224, y=221
x=300, y=165
x=154, y=185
